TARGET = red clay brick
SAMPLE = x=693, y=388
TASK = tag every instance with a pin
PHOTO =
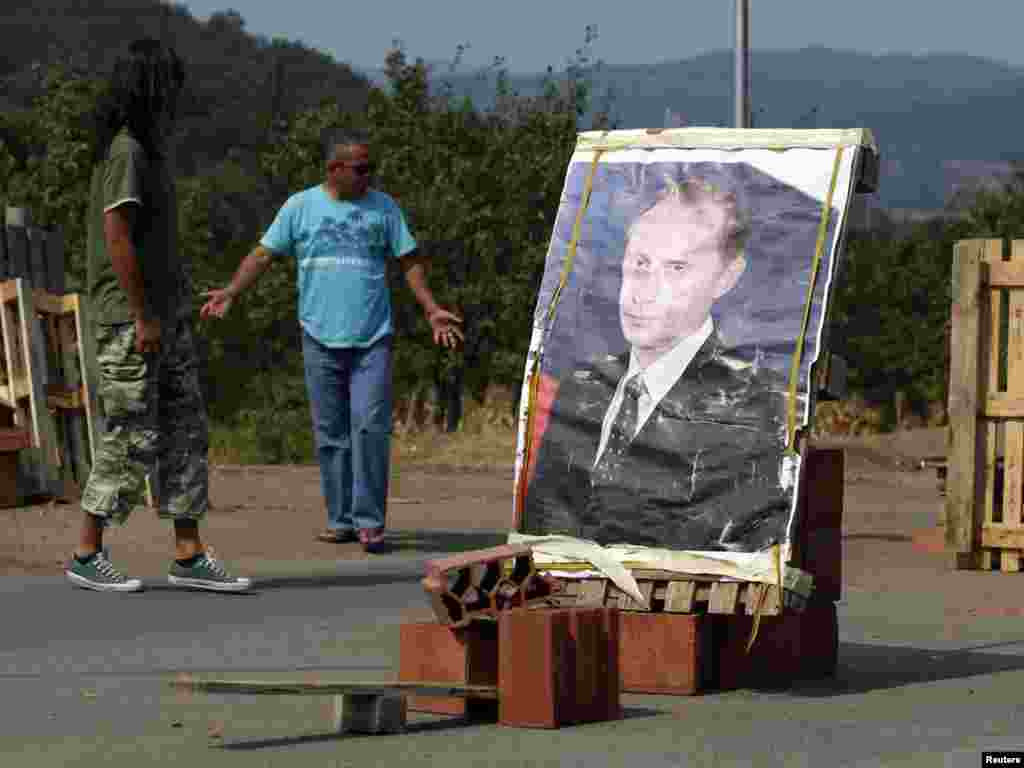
x=787, y=647
x=432, y=652
x=535, y=676
x=466, y=559
x=666, y=653
x=594, y=650
x=818, y=542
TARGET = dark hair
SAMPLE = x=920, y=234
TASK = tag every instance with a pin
x=332, y=138
x=145, y=83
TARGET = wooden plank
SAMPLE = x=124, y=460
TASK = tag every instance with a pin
x=44, y=434
x=1002, y=405
x=646, y=590
x=724, y=597
x=1013, y=466
x=65, y=398
x=1000, y=536
x=963, y=400
x=591, y=592
x=88, y=370
x=78, y=422
x=1005, y=274
x=29, y=461
x=328, y=688
x=768, y=593
x=43, y=301
x=679, y=596
x=991, y=329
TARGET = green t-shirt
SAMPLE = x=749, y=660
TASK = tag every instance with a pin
x=130, y=175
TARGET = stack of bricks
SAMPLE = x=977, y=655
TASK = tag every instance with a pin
x=498, y=625
x=685, y=654
x=552, y=667
x=494, y=627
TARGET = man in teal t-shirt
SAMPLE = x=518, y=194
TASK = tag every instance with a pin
x=342, y=234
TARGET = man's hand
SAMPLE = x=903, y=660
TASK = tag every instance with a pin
x=147, y=334
x=219, y=303
x=442, y=322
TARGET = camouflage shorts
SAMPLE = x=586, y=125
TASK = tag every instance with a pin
x=155, y=425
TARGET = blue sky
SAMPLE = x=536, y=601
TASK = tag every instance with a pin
x=532, y=34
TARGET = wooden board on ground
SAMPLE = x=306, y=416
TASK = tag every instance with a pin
x=337, y=688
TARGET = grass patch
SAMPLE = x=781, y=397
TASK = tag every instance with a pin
x=493, y=449
x=288, y=439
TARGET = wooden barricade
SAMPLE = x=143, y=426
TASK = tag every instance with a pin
x=985, y=472
x=47, y=374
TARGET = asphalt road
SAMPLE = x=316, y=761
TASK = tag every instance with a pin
x=84, y=680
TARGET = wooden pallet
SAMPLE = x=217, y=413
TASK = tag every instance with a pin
x=985, y=480
x=668, y=592
x=48, y=382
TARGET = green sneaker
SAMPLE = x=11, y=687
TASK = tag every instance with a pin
x=99, y=573
x=206, y=572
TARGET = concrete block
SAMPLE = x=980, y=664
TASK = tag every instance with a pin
x=369, y=713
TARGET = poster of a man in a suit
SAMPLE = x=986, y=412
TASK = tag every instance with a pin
x=674, y=442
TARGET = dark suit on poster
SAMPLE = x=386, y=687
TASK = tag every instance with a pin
x=703, y=472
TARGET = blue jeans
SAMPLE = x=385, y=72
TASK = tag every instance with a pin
x=350, y=399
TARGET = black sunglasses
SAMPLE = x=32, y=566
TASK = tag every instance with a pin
x=364, y=169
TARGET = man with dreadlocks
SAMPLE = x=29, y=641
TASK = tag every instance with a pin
x=138, y=287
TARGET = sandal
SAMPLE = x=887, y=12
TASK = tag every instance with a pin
x=337, y=536
x=372, y=539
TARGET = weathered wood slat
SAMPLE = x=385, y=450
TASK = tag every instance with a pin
x=1005, y=274
x=86, y=341
x=1013, y=471
x=328, y=688
x=591, y=592
x=963, y=402
x=679, y=596
x=990, y=329
x=724, y=597
x=1002, y=536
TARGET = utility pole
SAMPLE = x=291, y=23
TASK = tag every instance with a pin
x=742, y=65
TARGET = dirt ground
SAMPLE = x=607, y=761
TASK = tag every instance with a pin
x=891, y=531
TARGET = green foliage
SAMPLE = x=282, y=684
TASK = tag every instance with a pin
x=891, y=311
x=480, y=189
x=51, y=176
x=480, y=192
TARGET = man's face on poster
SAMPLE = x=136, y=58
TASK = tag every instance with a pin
x=676, y=265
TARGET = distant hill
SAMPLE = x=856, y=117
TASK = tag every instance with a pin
x=940, y=120
x=230, y=92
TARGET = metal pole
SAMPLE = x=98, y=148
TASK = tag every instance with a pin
x=742, y=64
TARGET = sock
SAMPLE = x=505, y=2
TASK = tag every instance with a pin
x=188, y=562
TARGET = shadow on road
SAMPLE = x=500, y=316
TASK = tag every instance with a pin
x=421, y=726
x=443, y=541
x=863, y=668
